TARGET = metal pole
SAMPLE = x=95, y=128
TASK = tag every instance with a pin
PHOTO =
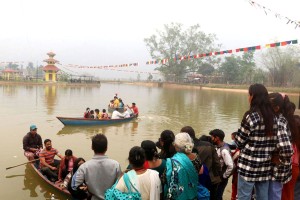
x=37, y=70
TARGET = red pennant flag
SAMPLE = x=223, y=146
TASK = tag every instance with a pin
x=283, y=43
x=273, y=45
x=237, y=50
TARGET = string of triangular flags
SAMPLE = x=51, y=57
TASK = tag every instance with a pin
x=243, y=49
x=135, y=64
x=113, y=68
x=177, y=57
x=277, y=15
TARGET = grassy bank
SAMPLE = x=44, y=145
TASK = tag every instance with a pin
x=295, y=90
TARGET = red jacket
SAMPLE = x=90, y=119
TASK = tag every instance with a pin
x=62, y=166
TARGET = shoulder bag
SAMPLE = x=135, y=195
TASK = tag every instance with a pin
x=115, y=194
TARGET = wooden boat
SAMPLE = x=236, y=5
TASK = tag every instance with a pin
x=80, y=121
x=35, y=165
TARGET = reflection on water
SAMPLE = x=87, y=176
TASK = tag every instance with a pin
x=9, y=90
x=50, y=97
x=30, y=182
x=160, y=109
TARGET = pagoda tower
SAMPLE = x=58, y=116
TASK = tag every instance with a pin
x=50, y=69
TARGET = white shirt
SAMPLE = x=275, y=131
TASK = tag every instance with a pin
x=116, y=115
x=149, y=185
x=126, y=114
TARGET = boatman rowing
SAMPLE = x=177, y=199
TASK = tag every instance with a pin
x=135, y=109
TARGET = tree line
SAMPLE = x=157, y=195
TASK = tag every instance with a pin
x=278, y=66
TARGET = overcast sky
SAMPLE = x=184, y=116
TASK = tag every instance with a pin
x=95, y=32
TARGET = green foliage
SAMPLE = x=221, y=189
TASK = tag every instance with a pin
x=13, y=66
x=282, y=65
x=174, y=42
x=138, y=77
x=63, y=77
x=150, y=77
x=206, y=69
x=240, y=69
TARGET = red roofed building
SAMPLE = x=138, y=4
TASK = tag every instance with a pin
x=50, y=69
x=10, y=74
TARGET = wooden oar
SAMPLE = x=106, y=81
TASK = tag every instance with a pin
x=22, y=164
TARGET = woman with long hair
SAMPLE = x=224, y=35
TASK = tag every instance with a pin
x=286, y=109
x=66, y=164
x=165, y=143
x=281, y=158
x=256, y=141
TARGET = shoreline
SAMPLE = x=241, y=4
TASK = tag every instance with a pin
x=220, y=87
x=217, y=87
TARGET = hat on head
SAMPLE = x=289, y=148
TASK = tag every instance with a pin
x=32, y=127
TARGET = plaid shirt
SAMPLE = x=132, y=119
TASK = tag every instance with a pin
x=254, y=163
x=282, y=172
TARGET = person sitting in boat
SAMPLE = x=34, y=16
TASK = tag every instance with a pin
x=104, y=114
x=48, y=164
x=121, y=104
x=116, y=114
x=81, y=193
x=32, y=143
x=126, y=113
x=66, y=164
x=116, y=102
x=92, y=116
x=134, y=108
x=87, y=113
x=97, y=114
x=111, y=104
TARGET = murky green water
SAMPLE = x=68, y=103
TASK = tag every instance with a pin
x=160, y=109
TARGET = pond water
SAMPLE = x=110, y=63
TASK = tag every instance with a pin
x=160, y=109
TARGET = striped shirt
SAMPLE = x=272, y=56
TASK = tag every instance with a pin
x=48, y=155
x=282, y=172
x=254, y=163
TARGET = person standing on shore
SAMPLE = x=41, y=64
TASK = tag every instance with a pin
x=224, y=154
x=99, y=173
x=281, y=157
x=32, y=143
x=255, y=139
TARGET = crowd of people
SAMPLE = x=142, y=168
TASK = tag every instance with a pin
x=262, y=159
x=119, y=110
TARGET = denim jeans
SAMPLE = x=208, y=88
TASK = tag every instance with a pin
x=245, y=189
x=275, y=190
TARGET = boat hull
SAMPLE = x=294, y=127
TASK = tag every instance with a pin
x=54, y=185
x=68, y=121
